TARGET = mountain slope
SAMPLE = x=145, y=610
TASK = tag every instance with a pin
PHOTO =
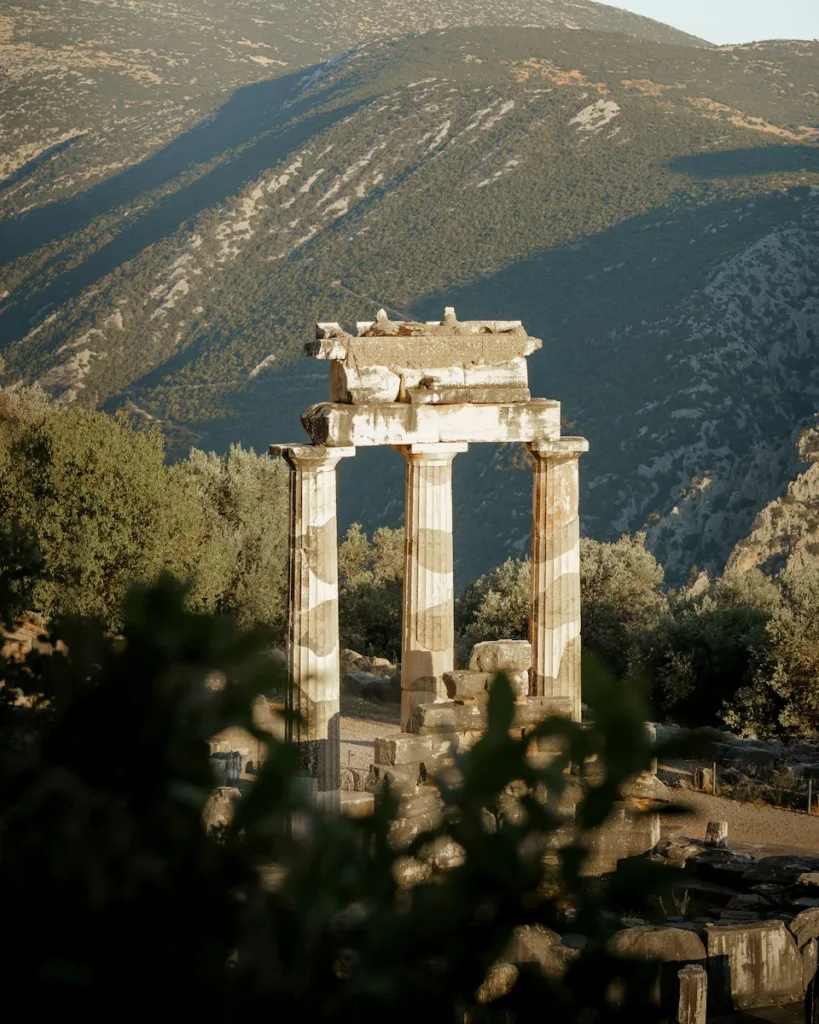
x=650, y=210
x=785, y=534
x=103, y=83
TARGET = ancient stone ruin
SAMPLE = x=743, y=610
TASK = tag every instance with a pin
x=428, y=390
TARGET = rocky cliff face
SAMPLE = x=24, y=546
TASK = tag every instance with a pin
x=785, y=534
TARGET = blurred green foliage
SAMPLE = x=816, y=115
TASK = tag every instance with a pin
x=116, y=895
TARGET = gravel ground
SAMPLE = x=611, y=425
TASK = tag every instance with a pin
x=748, y=824
x=362, y=722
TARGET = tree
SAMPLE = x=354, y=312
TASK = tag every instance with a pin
x=106, y=510
x=708, y=646
x=370, y=590
x=783, y=696
x=243, y=564
x=620, y=592
x=99, y=500
x=496, y=606
x=621, y=598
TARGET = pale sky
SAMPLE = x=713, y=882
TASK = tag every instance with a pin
x=732, y=21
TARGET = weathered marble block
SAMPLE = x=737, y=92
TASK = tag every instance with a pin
x=338, y=425
x=442, y=362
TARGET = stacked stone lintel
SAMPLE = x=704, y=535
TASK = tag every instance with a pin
x=428, y=628
x=312, y=627
x=555, y=596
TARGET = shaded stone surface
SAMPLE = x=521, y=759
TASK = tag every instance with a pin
x=751, y=965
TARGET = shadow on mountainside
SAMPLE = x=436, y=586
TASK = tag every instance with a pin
x=619, y=313
x=773, y=159
x=254, y=121
x=30, y=166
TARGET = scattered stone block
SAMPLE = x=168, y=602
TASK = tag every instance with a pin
x=751, y=965
x=353, y=780
x=410, y=749
x=501, y=656
x=693, y=994
x=669, y=947
x=809, y=878
x=465, y=683
x=470, y=715
x=537, y=944
x=716, y=833
x=805, y=926
x=626, y=834
x=809, y=962
x=499, y=981
x=646, y=787
x=221, y=806
x=355, y=682
x=402, y=778
x=780, y=870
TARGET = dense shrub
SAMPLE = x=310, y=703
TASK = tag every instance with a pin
x=620, y=593
x=621, y=598
x=783, y=695
x=370, y=574
x=105, y=511
x=708, y=646
x=494, y=607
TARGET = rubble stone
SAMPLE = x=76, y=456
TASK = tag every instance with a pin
x=221, y=806
x=805, y=926
x=501, y=656
x=466, y=683
x=668, y=947
x=537, y=944
x=750, y=965
x=499, y=981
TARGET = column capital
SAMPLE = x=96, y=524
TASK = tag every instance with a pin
x=305, y=456
x=430, y=452
x=560, y=449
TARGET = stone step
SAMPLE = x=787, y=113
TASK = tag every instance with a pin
x=463, y=716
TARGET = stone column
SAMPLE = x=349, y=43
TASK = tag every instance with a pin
x=428, y=623
x=693, y=998
x=312, y=614
x=554, y=627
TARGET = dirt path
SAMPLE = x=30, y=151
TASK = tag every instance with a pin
x=748, y=824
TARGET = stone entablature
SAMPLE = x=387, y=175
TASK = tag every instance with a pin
x=428, y=390
x=446, y=363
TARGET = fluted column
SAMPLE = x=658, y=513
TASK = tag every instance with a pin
x=312, y=614
x=554, y=625
x=428, y=624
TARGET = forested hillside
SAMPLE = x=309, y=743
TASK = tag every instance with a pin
x=648, y=206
